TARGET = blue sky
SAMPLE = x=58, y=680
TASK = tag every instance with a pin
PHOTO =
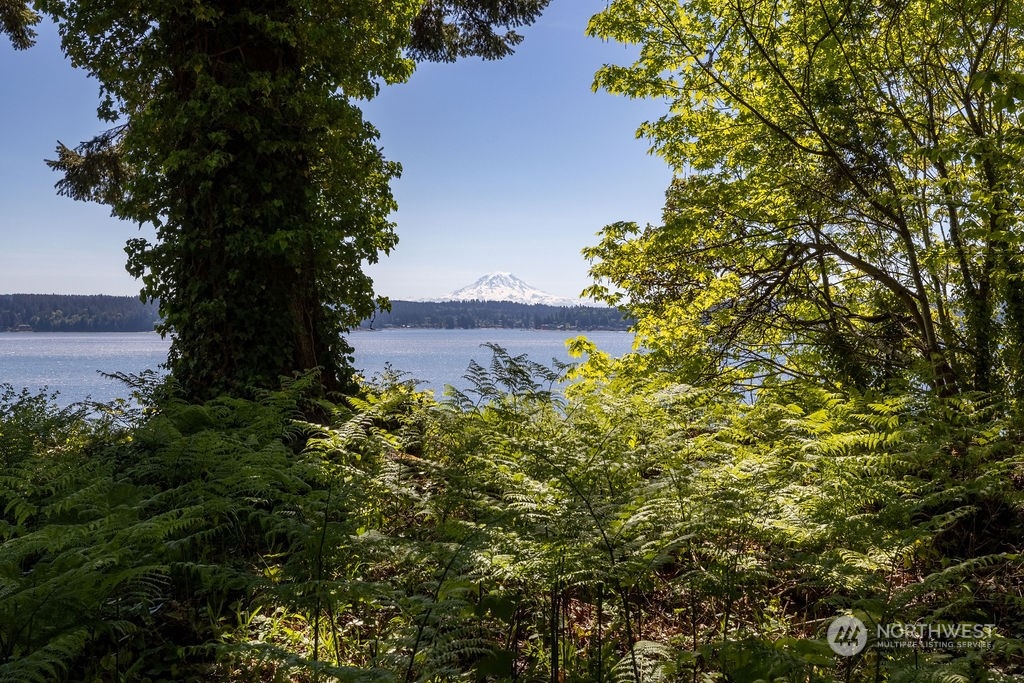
x=510, y=166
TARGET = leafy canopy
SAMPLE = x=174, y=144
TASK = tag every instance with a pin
x=237, y=133
x=846, y=201
x=17, y=20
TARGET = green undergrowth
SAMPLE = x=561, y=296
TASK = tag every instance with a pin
x=506, y=533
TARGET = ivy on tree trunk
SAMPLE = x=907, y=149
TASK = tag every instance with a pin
x=239, y=137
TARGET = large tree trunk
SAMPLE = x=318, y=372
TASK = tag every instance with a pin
x=247, y=311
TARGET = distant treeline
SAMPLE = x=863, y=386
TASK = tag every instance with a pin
x=102, y=313
x=453, y=315
x=76, y=313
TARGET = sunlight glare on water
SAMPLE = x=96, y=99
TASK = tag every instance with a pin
x=73, y=363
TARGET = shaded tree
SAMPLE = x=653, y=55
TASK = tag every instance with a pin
x=445, y=30
x=237, y=133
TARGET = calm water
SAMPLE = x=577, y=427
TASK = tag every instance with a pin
x=72, y=363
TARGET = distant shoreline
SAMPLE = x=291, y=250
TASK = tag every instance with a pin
x=469, y=315
x=27, y=332
x=359, y=330
x=21, y=313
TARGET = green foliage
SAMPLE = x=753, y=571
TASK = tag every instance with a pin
x=730, y=533
x=240, y=138
x=242, y=143
x=844, y=236
x=844, y=201
x=17, y=20
x=30, y=423
x=841, y=235
x=509, y=533
x=445, y=30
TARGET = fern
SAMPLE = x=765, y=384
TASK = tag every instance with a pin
x=511, y=532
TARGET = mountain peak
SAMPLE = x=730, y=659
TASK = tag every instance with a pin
x=504, y=286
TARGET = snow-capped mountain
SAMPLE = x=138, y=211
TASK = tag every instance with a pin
x=507, y=287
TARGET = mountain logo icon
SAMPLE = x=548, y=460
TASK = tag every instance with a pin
x=847, y=636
